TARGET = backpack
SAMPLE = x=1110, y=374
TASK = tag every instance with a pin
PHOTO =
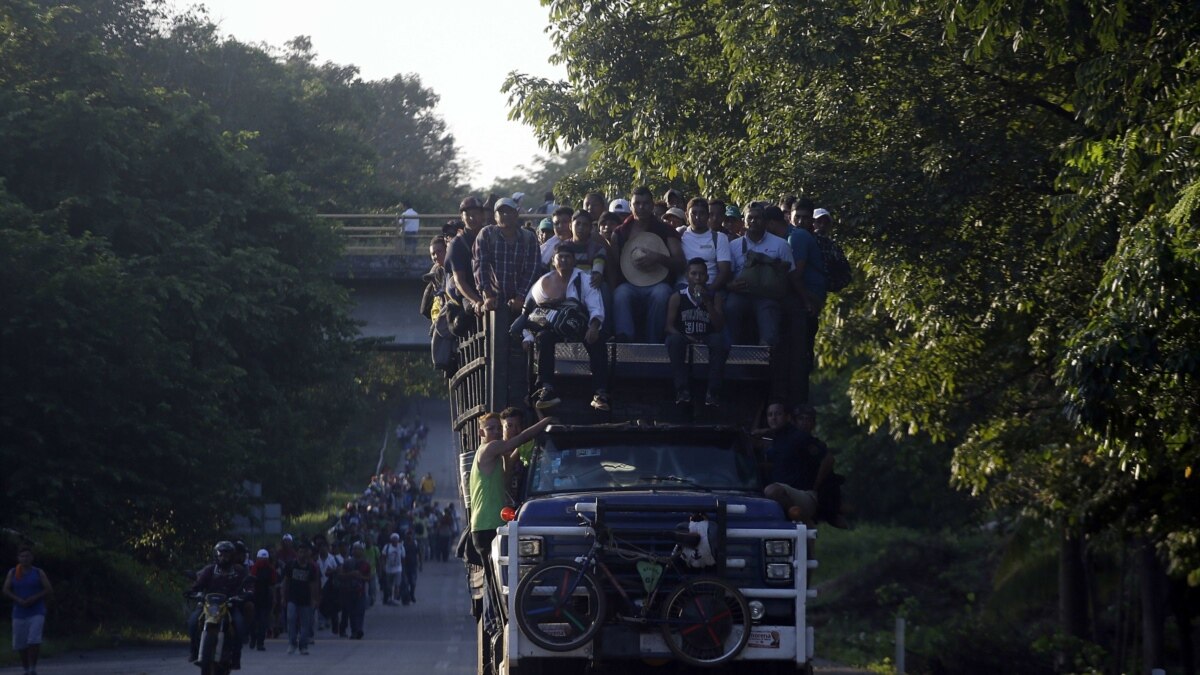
x=568, y=319
x=837, y=268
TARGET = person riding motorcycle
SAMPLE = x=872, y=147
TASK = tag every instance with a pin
x=229, y=577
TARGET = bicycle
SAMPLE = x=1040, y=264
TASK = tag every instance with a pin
x=560, y=604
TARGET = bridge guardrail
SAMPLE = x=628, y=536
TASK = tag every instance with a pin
x=386, y=236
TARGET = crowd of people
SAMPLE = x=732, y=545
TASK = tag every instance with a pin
x=675, y=271
x=371, y=554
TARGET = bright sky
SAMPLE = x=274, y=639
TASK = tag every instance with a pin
x=387, y=37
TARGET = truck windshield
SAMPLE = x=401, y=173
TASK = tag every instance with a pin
x=641, y=467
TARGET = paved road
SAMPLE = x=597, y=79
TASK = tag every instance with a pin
x=435, y=636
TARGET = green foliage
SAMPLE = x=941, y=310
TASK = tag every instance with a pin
x=559, y=174
x=169, y=328
x=117, y=590
x=1015, y=187
x=349, y=145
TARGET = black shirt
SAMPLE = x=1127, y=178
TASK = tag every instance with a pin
x=459, y=258
x=299, y=579
x=795, y=457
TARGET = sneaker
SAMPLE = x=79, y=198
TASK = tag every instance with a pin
x=711, y=400
x=291, y=649
x=261, y=648
x=303, y=652
x=683, y=397
x=546, y=398
x=600, y=401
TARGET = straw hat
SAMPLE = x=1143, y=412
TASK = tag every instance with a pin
x=635, y=249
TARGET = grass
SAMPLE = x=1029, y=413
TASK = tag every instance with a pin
x=102, y=637
x=938, y=581
x=319, y=519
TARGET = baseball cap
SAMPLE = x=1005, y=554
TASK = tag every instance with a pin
x=287, y=537
x=817, y=213
x=469, y=203
x=506, y=202
x=546, y=224
x=619, y=206
x=517, y=197
x=677, y=212
x=395, y=536
x=264, y=553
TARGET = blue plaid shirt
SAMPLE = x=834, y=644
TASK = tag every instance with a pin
x=505, y=269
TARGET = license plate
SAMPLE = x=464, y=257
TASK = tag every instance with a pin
x=764, y=639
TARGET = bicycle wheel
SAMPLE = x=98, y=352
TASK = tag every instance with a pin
x=706, y=622
x=559, y=606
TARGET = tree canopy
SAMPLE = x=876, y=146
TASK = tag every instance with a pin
x=169, y=324
x=1016, y=186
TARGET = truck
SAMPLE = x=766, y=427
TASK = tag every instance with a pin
x=643, y=476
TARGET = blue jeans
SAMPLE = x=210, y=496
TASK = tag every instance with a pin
x=597, y=358
x=718, y=351
x=299, y=624
x=766, y=313
x=648, y=301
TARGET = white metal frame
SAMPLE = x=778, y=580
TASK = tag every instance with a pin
x=798, y=639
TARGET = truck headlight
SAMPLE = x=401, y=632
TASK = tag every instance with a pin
x=778, y=547
x=529, y=547
x=757, y=610
x=779, y=571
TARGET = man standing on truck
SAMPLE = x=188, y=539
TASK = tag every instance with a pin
x=460, y=276
x=797, y=465
x=488, y=493
x=506, y=260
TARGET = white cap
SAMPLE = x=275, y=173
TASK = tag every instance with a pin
x=677, y=212
x=506, y=202
x=264, y=553
x=518, y=196
x=817, y=213
x=287, y=537
x=395, y=536
x=619, y=206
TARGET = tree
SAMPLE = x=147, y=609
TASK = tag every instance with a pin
x=349, y=144
x=159, y=291
x=1015, y=185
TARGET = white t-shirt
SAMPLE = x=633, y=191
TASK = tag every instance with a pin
x=548, y=250
x=411, y=224
x=700, y=245
x=393, y=558
x=332, y=561
x=776, y=247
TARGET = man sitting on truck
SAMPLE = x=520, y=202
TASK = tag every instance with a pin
x=545, y=321
x=797, y=465
x=694, y=316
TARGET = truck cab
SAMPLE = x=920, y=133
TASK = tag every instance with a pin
x=654, y=471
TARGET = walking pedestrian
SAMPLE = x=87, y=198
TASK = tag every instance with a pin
x=28, y=587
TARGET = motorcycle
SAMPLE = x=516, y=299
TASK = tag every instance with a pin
x=217, y=640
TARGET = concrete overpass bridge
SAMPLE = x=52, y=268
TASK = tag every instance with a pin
x=382, y=269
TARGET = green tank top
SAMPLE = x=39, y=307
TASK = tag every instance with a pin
x=487, y=496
